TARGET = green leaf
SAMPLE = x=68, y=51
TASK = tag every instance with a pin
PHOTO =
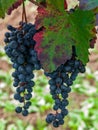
x=39, y=1
x=58, y=4
x=4, y=5
x=82, y=23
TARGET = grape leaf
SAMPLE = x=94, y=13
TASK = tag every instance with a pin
x=58, y=4
x=88, y=4
x=4, y=5
x=82, y=32
x=39, y=1
x=62, y=30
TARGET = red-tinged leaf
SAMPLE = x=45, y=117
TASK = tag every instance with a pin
x=38, y=37
x=42, y=12
x=62, y=31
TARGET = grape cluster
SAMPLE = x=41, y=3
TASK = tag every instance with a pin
x=14, y=6
x=60, y=81
x=20, y=49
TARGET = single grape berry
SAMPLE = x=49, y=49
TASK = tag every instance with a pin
x=18, y=109
x=25, y=112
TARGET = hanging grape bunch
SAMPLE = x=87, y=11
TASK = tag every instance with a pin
x=51, y=44
x=60, y=81
x=20, y=49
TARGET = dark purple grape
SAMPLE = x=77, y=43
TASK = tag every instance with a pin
x=18, y=109
x=20, y=53
x=60, y=81
x=25, y=112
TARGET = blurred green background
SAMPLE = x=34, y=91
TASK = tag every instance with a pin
x=83, y=100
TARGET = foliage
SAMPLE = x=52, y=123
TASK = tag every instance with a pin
x=39, y=1
x=61, y=32
x=62, y=29
x=4, y=5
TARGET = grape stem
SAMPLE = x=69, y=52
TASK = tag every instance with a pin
x=24, y=13
x=73, y=53
x=36, y=3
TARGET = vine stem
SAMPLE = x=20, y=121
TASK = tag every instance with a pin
x=24, y=12
x=36, y=3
